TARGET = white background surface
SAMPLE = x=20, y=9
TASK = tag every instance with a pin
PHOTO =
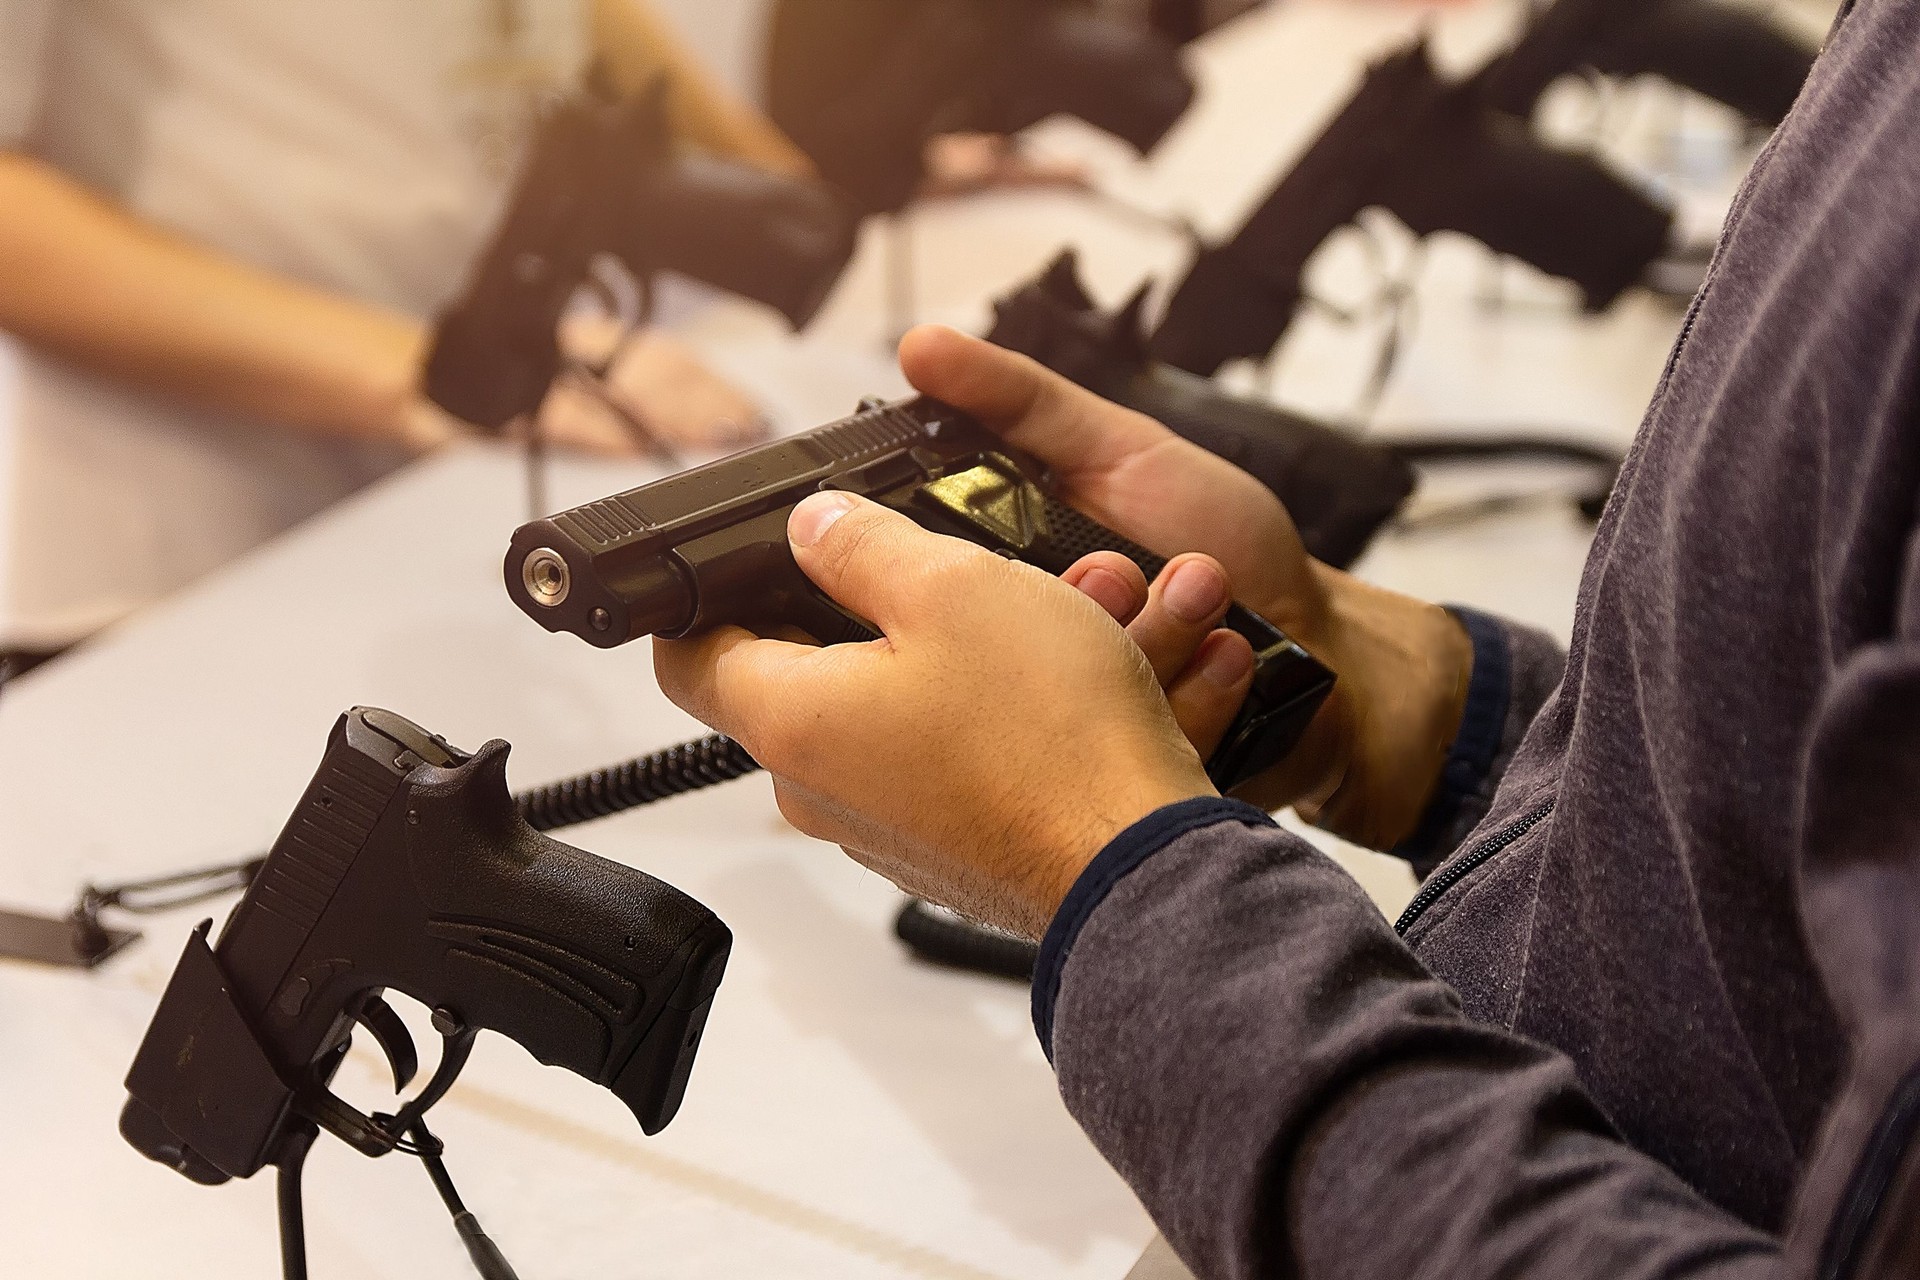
x=852, y=1113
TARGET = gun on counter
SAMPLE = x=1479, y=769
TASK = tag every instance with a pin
x=863, y=85
x=407, y=866
x=1431, y=153
x=1339, y=490
x=708, y=547
x=604, y=176
x=1719, y=50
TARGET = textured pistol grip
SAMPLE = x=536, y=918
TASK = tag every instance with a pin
x=587, y=964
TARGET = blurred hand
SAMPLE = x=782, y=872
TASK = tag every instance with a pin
x=1002, y=731
x=1369, y=762
x=660, y=382
x=962, y=163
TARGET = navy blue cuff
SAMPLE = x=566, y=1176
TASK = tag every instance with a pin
x=1123, y=853
x=1484, y=723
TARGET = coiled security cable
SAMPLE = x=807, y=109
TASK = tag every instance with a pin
x=691, y=766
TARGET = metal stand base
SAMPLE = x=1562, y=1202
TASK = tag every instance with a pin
x=58, y=941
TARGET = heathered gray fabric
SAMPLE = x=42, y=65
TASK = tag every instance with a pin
x=1734, y=752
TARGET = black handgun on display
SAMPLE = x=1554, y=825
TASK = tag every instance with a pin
x=1722, y=51
x=1339, y=490
x=406, y=866
x=709, y=547
x=862, y=85
x=604, y=176
x=1430, y=152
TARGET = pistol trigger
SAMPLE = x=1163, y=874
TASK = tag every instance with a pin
x=378, y=1017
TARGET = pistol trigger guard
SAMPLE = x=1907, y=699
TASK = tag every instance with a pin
x=455, y=1048
x=380, y=1133
x=391, y=1034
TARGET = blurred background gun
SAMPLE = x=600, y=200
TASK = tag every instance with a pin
x=1182, y=21
x=1429, y=152
x=604, y=177
x=407, y=866
x=864, y=85
x=1338, y=489
x=1719, y=50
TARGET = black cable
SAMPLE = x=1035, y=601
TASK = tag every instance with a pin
x=691, y=766
x=487, y=1258
x=293, y=1227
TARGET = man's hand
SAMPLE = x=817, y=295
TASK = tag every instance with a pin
x=1204, y=668
x=1369, y=763
x=982, y=752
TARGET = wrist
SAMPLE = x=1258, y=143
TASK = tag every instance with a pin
x=1371, y=760
x=1101, y=820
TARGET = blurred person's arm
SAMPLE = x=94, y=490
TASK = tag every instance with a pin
x=637, y=44
x=87, y=281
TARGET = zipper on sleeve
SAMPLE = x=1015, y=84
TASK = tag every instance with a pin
x=1867, y=1190
x=1463, y=866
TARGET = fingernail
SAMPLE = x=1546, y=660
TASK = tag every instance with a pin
x=1110, y=591
x=815, y=515
x=1196, y=592
x=1228, y=664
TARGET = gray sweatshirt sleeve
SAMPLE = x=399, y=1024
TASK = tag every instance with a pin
x=1290, y=1093
x=1515, y=670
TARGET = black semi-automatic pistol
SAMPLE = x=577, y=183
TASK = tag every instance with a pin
x=709, y=547
x=1429, y=151
x=406, y=866
x=605, y=176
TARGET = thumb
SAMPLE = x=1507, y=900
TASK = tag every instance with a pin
x=868, y=558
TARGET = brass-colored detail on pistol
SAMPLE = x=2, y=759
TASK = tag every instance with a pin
x=1000, y=503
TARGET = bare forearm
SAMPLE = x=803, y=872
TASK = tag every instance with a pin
x=638, y=45
x=87, y=281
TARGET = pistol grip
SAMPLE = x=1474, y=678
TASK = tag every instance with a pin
x=587, y=964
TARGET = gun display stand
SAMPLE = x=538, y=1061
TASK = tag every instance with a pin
x=79, y=940
x=225, y=1043
x=68, y=942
